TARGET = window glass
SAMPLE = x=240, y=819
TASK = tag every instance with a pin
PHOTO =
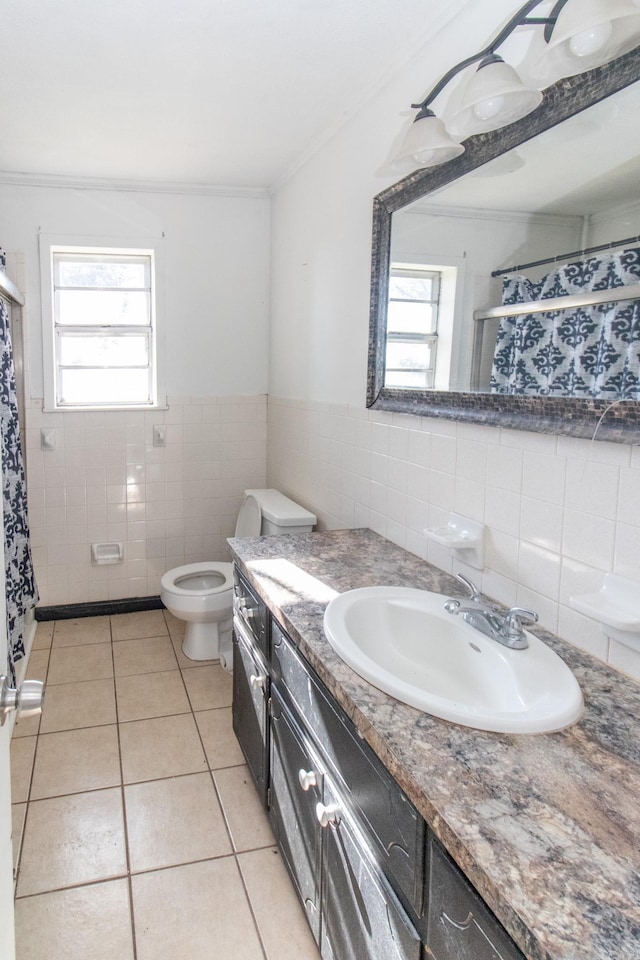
x=103, y=328
x=412, y=328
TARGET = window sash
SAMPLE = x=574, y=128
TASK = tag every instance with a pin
x=417, y=375
x=84, y=383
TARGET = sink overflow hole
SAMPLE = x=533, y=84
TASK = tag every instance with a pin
x=474, y=647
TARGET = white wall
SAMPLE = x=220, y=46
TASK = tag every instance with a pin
x=559, y=512
x=216, y=262
x=105, y=480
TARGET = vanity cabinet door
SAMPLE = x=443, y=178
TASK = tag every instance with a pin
x=296, y=789
x=361, y=916
x=394, y=826
x=460, y=926
x=249, y=710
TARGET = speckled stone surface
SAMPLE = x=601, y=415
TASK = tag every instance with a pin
x=546, y=827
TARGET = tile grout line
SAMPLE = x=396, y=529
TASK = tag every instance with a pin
x=132, y=919
x=18, y=866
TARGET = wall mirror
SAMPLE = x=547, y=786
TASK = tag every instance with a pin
x=528, y=196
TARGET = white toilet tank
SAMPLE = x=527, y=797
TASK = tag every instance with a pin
x=267, y=512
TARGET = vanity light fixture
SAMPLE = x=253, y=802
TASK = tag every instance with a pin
x=579, y=34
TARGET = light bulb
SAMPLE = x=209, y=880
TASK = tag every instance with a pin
x=488, y=109
x=588, y=42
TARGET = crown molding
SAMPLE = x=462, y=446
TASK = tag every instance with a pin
x=9, y=178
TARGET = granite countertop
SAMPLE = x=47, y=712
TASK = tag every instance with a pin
x=546, y=826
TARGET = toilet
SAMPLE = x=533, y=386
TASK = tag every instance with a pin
x=201, y=594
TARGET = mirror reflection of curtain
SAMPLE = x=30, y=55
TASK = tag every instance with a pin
x=582, y=352
x=20, y=588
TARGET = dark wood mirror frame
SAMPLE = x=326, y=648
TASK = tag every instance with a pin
x=567, y=416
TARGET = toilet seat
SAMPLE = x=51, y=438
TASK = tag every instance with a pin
x=203, y=579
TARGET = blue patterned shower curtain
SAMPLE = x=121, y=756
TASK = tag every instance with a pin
x=583, y=352
x=21, y=590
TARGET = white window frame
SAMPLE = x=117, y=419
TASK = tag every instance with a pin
x=50, y=245
x=418, y=270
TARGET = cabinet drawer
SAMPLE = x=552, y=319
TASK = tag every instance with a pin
x=249, y=710
x=393, y=823
x=248, y=606
x=460, y=926
x=361, y=916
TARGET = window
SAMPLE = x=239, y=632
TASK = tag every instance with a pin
x=412, y=328
x=100, y=339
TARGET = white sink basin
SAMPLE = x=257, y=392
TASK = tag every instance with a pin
x=405, y=643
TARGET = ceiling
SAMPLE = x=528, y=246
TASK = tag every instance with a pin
x=221, y=92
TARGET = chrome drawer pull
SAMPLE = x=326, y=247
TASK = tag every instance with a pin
x=307, y=779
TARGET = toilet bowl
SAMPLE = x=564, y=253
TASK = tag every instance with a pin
x=201, y=594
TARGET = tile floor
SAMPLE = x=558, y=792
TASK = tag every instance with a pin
x=137, y=831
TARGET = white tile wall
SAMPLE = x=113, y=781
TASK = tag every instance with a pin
x=106, y=481
x=559, y=512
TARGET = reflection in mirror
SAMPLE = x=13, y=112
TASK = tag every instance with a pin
x=510, y=213
x=464, y=250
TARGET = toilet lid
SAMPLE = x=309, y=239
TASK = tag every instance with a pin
x=249, y=522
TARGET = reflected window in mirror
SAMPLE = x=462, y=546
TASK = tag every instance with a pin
x=412, y=327
x=488, y=213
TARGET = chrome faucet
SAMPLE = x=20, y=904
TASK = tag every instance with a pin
x=507, y=631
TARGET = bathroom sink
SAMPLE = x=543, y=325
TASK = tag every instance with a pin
x=404, y=642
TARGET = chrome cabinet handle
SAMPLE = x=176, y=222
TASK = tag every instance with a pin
x=327, y=814
x=307, y=779
x=27, y=699
x=257, y=680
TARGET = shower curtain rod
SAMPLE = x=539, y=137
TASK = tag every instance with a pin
x=566, y=256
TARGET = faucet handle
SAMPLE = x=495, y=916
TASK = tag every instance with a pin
x=514, y=619
x=474, y=593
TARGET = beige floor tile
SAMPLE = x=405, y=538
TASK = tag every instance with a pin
x=86, y=923
x=90, y=662
x=220, y=743
x=18, y=813
x=72, y=840
x=68, y=706
x=175, y=627
x=71, y=633
x=151, y=695
x=75, y=761
x=208, y=687
x=38, y=666
x=23, y=750
x=27, y=726
x=174, y=821
x=281, y=920
x=44, y=635
x=161, y=747
x=147, y=655
x=131, y=626
x=214, y=915
x=185, y=661
x=246, y=818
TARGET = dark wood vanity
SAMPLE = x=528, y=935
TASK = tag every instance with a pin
x=373, y=880
x=528, y=843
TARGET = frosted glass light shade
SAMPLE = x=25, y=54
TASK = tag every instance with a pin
x=427, y=143
x=587, y=34
x=494, y=97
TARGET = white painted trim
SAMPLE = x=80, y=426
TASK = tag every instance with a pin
x=129, y=186
x=423, y=207
x=47, y=242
